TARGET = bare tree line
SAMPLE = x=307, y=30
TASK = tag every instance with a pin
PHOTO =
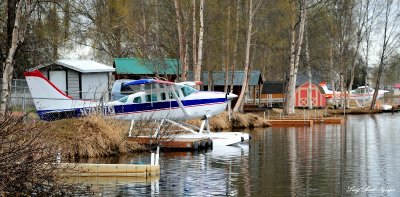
x=211, y=35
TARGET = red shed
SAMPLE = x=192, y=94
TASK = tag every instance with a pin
x=317, y=96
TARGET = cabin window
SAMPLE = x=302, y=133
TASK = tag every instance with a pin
x=137, y=100
x=163, y=97
x=123, y=99
x=151, y=97
x=186, y=90
x=171, y=96
x=149, y=86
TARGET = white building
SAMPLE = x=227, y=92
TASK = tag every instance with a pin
x=83, y=79
x=396, y=89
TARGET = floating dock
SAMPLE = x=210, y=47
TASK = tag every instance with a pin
x=174, y=142
x=109, y=170
x=330, y=120
x=290, y=123
x=307, y=122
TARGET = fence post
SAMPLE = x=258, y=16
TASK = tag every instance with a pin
x=24, y=108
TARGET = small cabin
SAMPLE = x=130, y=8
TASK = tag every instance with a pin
x=215, y=81
x=318, y=99
x=273, y=93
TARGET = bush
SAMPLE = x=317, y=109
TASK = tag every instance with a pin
x=27, y=160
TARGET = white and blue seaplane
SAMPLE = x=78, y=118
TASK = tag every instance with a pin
x=160, y=100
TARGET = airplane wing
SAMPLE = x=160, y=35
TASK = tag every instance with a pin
x=189, y=83
x=147, y=81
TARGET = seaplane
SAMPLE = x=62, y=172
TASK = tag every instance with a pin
x=361, y=94
x=160, y=100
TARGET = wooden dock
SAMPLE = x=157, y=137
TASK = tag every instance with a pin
x=330, y=120
x=174, y=142
x=109, y=170
x=290, y=123
x=103, y=180
x=308, y=122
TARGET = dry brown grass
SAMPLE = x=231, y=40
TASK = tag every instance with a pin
x=221, y=121
x=248, y=120
x=92, y=136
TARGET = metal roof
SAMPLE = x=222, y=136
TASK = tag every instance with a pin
x=85, y=66
x=142, y=66
x=273, y=87
x=218, y=78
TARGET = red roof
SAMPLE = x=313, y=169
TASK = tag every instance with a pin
x=397, y=85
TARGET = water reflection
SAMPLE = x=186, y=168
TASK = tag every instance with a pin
x=204, y=174
x=359, y=158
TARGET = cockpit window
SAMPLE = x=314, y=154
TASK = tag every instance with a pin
x=186, y=90
x=137, y=100
x=123, y=99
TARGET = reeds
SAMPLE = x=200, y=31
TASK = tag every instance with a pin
x=92, y=136
x=238, y=121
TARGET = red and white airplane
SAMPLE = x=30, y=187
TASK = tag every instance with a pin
x=158, y=100
x=362, y=93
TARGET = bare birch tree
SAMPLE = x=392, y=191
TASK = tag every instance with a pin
x=194, y=41
x=22, y=14
x=227, y=50
x=240, y=101
x=390, y=41
x=181, y=38
x=235, y=46
x=295, y=50
x=197, y=73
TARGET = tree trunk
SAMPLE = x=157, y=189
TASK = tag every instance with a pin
x=227, y=51
x=181, y=41
x=309, y=74
x=294, y=60
x=235, y=47
x=383, y=55
x=194, y=43
x=247, y=64
x=8, y=67
x=197, y=74
x=333, y=74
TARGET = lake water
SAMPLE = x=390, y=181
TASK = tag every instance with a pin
x=359, y=158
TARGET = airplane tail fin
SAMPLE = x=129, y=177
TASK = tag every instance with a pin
x=41, y=87
x=48, y=98
x=324, y=87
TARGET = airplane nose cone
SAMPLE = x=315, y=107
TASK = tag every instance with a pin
x=231, y=96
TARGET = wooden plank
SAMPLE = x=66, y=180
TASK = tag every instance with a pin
x=331, y=120
x=87, y=169
x=289, y=123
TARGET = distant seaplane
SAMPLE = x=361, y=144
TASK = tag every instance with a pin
x=361, y=94
x=157, y=99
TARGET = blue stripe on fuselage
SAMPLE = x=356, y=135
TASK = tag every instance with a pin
x=129, y=108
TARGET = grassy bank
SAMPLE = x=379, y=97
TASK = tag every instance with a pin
x=238, y=121
x=96, y=136
x=92, y=136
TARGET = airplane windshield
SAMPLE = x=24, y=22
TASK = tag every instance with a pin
x=123, y=99
x=187, y=90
